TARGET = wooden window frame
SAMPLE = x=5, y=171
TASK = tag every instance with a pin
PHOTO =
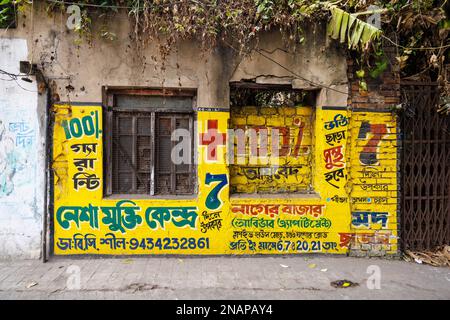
x=109, y=105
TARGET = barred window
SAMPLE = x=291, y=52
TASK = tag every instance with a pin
x=139, y=143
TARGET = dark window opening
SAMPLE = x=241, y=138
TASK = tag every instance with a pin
x=269, y=95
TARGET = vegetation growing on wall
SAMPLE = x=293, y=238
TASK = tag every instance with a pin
x=418, y=28
x=266, y=97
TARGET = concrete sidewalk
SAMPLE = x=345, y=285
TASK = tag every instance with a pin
x=299, y=277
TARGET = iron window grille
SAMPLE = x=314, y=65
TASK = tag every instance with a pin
x=138, y=127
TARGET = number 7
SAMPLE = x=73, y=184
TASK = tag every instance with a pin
x=212, y=200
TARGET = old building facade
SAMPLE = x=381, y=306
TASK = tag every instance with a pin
x=88, y=148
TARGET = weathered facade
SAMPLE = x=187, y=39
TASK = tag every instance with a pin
x=331, y=187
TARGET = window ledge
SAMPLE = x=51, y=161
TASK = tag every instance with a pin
x=149, y=197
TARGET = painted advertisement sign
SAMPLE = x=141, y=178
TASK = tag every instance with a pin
x=212, y=222
x=374, y=188
x=255, y=168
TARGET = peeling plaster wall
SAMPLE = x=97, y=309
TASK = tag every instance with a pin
x=79, y=71
x=316, y=65
x=22, y=160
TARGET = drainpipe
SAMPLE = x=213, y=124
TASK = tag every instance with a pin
x=48, y=175
x=46, y=217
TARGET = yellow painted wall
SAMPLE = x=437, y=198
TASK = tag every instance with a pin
x=212, y=222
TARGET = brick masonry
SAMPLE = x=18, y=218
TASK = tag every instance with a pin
x=383, y=93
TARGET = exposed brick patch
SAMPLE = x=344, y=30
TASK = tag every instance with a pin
x=383, y=93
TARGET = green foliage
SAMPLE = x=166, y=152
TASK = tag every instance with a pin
x=347, y=28
x=380, y=66
x=7, y=14
x=265, y=9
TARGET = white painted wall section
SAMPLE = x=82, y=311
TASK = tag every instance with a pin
x=22, y=158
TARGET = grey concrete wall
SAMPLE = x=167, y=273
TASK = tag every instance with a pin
x=86, y=67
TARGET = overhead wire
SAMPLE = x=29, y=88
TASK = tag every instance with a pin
x=259, y=51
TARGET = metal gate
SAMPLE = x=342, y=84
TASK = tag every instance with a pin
x=425, y=169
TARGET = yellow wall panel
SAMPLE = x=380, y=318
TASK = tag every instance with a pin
x=352, y=203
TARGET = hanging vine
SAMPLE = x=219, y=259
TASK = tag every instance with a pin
x=417, y=28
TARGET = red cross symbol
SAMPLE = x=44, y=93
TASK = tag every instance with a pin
x=212, y=138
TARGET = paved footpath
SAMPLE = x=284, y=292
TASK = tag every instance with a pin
x=299, y=277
